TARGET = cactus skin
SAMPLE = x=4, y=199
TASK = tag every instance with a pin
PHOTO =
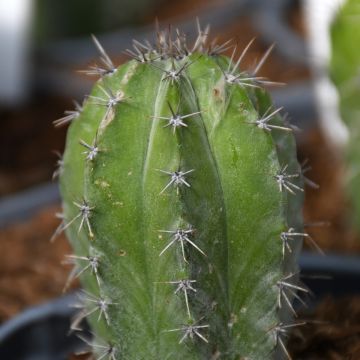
x=344, y=71
x=228, y=201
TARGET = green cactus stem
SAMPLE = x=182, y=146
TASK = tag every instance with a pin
x=182, y=200
x=345, y=72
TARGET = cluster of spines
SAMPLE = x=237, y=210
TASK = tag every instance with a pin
x=167, y=48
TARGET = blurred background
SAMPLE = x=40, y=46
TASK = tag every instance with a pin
x=43, y=46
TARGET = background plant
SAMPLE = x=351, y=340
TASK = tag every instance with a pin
x=345, y=73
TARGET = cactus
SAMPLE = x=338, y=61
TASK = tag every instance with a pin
x=344, y=71
x=182, y=200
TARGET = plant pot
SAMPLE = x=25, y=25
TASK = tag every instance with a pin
x=41, y=333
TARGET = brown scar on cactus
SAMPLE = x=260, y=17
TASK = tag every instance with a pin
x=241, y=189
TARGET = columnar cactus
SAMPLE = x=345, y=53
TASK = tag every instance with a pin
x=182, y=199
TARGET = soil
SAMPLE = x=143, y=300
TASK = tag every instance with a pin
x=31, y=269
x=332, y=332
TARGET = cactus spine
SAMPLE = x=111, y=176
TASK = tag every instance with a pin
x=182, y=198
